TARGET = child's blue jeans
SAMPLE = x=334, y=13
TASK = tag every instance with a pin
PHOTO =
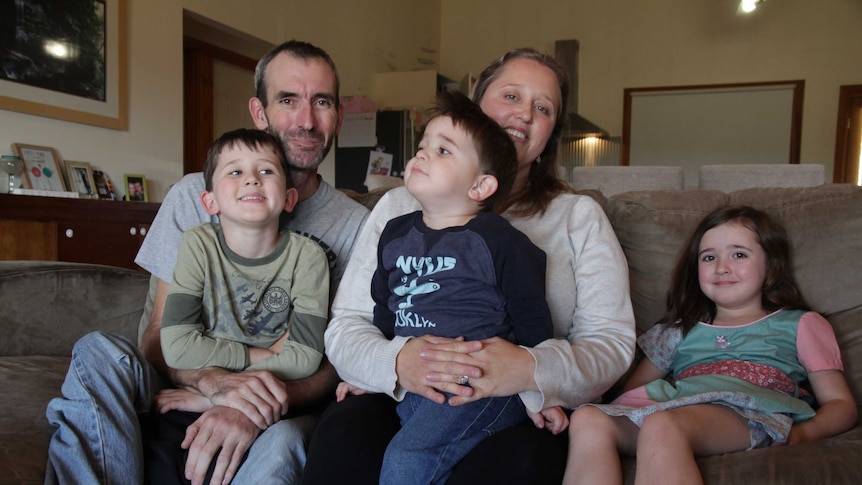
x=434, y=437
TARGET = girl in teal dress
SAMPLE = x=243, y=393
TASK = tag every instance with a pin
x=730, y=373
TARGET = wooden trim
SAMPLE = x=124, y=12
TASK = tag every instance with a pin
x=221, y=54
x=59, y=209
x=198, y=114
x=198, y=57
x=845, y=171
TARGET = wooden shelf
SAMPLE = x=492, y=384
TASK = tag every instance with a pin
x=75, y=230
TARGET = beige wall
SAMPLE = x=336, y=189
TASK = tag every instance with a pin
x=636, y=43
x=624, y=43
x=363, y=37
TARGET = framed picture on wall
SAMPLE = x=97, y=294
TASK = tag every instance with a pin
x=41, y=167
x=66, y=60
x=136, y=188
x=79, y=175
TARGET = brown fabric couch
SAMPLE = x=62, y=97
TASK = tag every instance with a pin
x=45, y=307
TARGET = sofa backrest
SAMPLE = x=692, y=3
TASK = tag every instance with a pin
x=824, y=224
x=612, y=180
x=730, y=177
x=45, y=306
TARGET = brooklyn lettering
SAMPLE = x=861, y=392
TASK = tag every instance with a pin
x=410, y=319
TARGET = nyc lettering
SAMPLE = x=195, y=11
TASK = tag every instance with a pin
x=424, y=266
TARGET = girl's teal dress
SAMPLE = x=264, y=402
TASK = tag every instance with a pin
x=759, y=370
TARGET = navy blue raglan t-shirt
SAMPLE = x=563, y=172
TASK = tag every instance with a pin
x=479, y=280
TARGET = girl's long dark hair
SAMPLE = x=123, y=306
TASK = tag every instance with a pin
x=686, y=303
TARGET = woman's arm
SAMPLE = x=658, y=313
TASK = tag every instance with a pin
x=357, y=349
x=588, y=292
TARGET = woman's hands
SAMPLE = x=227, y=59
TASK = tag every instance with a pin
x=427, y=356
x=495, y=367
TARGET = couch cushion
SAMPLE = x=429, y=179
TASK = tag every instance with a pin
x=651, y=227
x=48, y=306
x=28, y=383
x=832, y=460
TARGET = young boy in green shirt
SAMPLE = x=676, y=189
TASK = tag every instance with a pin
x=245, y=293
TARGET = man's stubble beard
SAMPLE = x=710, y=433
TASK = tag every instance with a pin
x=296, y=159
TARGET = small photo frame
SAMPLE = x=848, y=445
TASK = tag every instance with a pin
x=136, y=188
x=41, y=167
x=104, y=190
x=80, y=178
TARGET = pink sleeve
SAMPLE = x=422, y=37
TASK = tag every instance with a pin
x=816, y=344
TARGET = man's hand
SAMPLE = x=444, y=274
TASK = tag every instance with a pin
x=220, y=428
x=181, y=400
x=258, y=394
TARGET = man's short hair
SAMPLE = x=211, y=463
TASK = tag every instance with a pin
x=298, y=49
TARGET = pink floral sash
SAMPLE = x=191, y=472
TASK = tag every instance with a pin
x=758, y=374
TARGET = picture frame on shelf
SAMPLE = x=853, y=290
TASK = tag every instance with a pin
x=80, y=179
x=41, y=167
x=136, y=188
x=93, y=86
x=104, y=188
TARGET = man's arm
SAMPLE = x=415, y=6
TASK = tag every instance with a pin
x=151, y=344
x=314, y=389
x=259, y=395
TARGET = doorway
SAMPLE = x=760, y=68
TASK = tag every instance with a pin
x=218, y=72
x=848, y=139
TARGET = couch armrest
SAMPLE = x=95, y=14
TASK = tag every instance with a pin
x=46, y=306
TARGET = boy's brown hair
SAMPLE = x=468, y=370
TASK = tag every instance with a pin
x=251, y=139
x=497, y=155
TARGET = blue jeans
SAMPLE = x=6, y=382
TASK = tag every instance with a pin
x=98, y=437
x=434, y=437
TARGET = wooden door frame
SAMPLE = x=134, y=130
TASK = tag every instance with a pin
x=198, y=58
x=845, y=170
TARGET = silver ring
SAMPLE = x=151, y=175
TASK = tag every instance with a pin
x=464, y=380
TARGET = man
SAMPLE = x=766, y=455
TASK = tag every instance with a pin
x=110, y=382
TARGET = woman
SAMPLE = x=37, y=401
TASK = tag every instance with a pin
x=587, y=291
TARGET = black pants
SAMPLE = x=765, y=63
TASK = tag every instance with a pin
x=164, y=458
x=348, y=444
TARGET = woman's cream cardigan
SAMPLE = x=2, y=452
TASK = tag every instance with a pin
x=587, y=290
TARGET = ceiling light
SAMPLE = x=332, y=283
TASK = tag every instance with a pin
x=748, y=6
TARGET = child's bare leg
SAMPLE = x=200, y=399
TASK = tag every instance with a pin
x=670, y=440
x=595, y=442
